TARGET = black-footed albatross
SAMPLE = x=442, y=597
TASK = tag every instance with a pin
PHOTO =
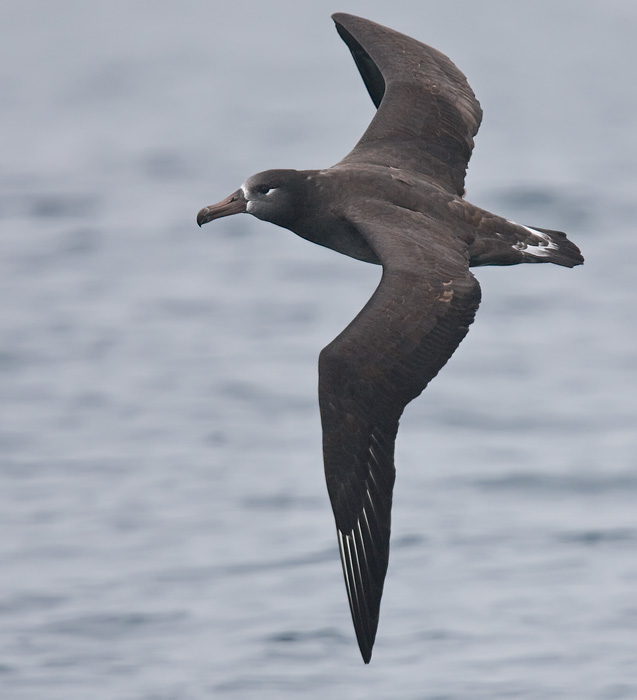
x=396, y=200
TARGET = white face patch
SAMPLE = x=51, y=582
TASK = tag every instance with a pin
x=249, y=204
x=540, y=249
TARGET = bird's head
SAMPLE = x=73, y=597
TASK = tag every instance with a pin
x=272, y=195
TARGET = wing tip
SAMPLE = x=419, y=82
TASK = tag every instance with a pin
x=365, y=612
x=365, y=645
x=340, y=17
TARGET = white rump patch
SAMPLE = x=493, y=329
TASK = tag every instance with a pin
x=541, y=248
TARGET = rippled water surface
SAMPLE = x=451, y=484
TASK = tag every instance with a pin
x=166, y=533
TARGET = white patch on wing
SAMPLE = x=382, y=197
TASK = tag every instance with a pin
x=360, y=533
x=342, y=542
x=541, y=248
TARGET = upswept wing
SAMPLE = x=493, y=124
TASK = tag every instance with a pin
x=427, y=113
x=404, y=335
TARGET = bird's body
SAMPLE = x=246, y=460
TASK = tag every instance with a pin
x=396, y=200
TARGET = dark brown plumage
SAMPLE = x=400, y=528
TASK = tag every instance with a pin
x=395, y=200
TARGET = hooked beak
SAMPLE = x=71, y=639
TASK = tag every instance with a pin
x=234, y=204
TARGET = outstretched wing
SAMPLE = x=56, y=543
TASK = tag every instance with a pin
x=399, y=341
x=427, y=113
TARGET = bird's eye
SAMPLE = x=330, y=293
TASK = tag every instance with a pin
x=264, y=189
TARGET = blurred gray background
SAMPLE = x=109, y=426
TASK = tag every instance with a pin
x=166, y=533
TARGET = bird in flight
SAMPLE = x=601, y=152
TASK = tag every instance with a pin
x=396, y=200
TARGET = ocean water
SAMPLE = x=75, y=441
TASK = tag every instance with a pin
x=166, y=532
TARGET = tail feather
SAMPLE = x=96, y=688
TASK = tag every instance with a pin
x=499, y=241
x=546, y=245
